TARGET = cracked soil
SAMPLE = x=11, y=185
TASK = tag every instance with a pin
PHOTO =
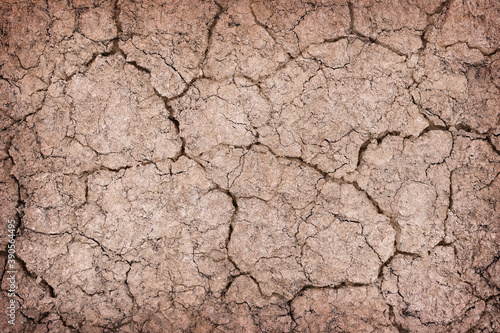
x=251, y=166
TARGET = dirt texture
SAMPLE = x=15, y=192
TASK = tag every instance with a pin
x=251, y=166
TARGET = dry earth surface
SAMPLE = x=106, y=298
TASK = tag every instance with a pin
x=251, y=166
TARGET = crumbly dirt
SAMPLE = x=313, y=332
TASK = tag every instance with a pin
x=251, y=166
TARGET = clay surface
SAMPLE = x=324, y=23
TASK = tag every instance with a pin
x=251, y=166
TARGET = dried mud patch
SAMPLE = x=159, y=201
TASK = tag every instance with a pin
x=250, y=166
